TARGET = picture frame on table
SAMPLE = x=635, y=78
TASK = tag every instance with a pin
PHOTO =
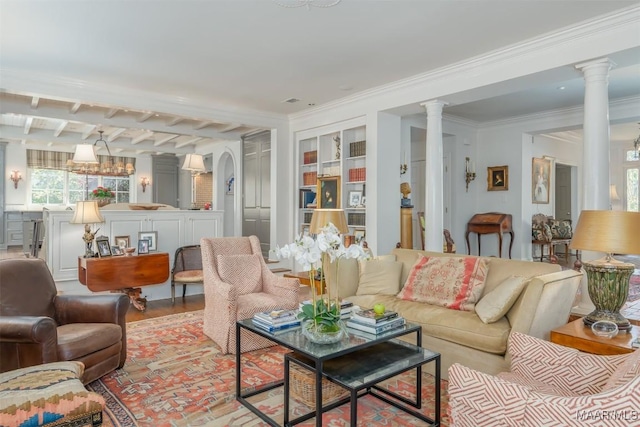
x=123, y=241
x=328, y=191
x=104, y=248
x=152, y=237
x=498, y=178
x=143, y=246
x=359, y=236
x=116, y=251
x=355, y=199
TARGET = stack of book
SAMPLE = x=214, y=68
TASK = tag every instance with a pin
x=277, y=321
x=371, y=322
x=346, y=307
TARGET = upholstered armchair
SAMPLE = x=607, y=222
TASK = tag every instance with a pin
x=38, y=326
x=238, y=284
x=549, y=385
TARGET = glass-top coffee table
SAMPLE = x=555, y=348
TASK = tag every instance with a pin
x=357, y=363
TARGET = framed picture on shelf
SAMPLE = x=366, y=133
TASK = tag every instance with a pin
x=304, y=229
x=123, y=241
x=498, y=178
x=307, y=198
x=329, y=191
x=143, y=246
x=116, y=251
x=104, y=249
x=152, y=237
x=540, y=180
x=355, y=199
x=359, y=235
x=363, y=201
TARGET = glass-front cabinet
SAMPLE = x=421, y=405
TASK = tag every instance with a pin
x=332, y=173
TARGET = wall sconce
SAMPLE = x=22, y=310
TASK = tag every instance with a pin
x=470, y=173
x=15, y=177
x=403, y=165
x=144, y=181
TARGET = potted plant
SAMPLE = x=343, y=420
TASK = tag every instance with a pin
x=103, y=195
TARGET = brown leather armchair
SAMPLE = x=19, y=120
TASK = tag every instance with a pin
x=38, y=326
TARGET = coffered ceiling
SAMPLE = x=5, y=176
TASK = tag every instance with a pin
x=229, y=66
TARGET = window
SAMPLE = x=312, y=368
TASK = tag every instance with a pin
x=57, y=187
x=631, y=176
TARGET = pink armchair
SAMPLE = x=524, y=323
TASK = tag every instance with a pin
x=549, y=385
x=238, y=284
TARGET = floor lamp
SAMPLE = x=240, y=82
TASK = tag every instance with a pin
x=611, y=232
x=195, y=164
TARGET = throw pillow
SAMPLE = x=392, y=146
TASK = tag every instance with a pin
x=451, y=282
x=561, y=229
x=542, y=233
x=628, y=370
x=244, y=272
x=378, y=277
x=496, y=303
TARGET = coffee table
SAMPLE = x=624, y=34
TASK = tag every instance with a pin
x=329, y=361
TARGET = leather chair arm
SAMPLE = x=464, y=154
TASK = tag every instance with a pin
x=28, y=329
x=91, y=308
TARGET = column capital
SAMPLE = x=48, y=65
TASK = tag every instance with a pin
x=434, y=106
x=600, y=63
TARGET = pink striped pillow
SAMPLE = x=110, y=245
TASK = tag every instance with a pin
x=451, y=282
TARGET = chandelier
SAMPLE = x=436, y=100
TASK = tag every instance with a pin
x=86, y=161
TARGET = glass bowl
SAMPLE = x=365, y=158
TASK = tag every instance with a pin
x=604, y=328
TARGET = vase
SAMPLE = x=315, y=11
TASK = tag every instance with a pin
x=103, y=202
x=318, y=335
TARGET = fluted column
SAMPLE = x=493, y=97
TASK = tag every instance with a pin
x=434, y=199
x=595, y=152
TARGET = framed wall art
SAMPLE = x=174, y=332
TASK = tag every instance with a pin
x=498, y=178
x=329, y=192
x=540, y=180
x=152, y=237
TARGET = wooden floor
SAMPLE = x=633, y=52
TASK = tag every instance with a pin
x=163, y=307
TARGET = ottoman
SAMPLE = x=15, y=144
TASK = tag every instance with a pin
x=48, y=395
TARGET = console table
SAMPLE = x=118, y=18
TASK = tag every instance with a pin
x=125, y=274
x=490, y=223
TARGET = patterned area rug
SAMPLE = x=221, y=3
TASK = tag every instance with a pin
x=634, y=286
x=176, y=376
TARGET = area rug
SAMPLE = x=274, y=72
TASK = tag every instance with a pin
x=634, y=286
x=176, y=376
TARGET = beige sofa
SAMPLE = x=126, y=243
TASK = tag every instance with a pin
x=461, y=336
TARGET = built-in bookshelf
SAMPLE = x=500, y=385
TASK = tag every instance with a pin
x=335, y=155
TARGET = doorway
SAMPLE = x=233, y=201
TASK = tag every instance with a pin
x=256, y=218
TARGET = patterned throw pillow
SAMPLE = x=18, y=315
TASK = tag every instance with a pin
x=561, y=229
x=242, y=271
x=542, y=233
x=451, y=282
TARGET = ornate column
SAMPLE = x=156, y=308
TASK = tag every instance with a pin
x=595, y=152
x=434, y=200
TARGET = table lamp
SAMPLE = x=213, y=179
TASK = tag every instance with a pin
x=87, y=213
x=195, y=164
x=611, y=232
x=322, y=217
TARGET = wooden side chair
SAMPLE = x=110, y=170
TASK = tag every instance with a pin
x=187, y=269
x=449, y=246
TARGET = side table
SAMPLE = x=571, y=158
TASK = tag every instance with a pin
x=303, y=277
x=576, y=335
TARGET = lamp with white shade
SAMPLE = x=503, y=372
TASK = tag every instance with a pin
x=87, y=213
x=195, y=164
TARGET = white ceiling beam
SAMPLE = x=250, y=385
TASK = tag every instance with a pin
x=27, y=125
x=111, y=112
x=174, y=121
x=49, y=144
x=75, y=107
x=230, y=128
x=188, y=142
x=144, y=117
x=163, y=140
x=113, y=135
x=88, y=130
x=202, y=125
x=60, y=128
x=34, y=102
x=138, y=139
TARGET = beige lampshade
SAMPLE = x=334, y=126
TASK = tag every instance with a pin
x=322, y=217
x=613, y=193
x=85, y=153
x=193, y=163
x=87, y=212
x=608, y=231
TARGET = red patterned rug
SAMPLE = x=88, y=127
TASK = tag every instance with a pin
x=176, y=376
x=634, y=286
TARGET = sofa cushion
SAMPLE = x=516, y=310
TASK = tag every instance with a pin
x=627, y=371
x=243, y=271
x=541, y=233
x=496, y=303
x=379, y=277
x=560, y=229
x=451, y=282
x=76, y=340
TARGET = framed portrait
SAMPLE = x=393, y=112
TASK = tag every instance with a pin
x=540, y=180
x=152, y=237
x=143, y=246
x=104, y=249
x=355, y=199
x=358, y=236
x=123, y=241
x=498, y=178
x=116, y=251
x=328, y=190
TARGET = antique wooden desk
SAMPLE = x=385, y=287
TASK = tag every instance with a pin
x=489, y=223
x=125, y=274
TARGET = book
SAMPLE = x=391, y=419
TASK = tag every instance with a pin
x=371, y=317
x=277, y=316
x=275, y=328
x=379, y=329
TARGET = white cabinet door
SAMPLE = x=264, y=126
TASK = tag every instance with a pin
x=203, y=224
